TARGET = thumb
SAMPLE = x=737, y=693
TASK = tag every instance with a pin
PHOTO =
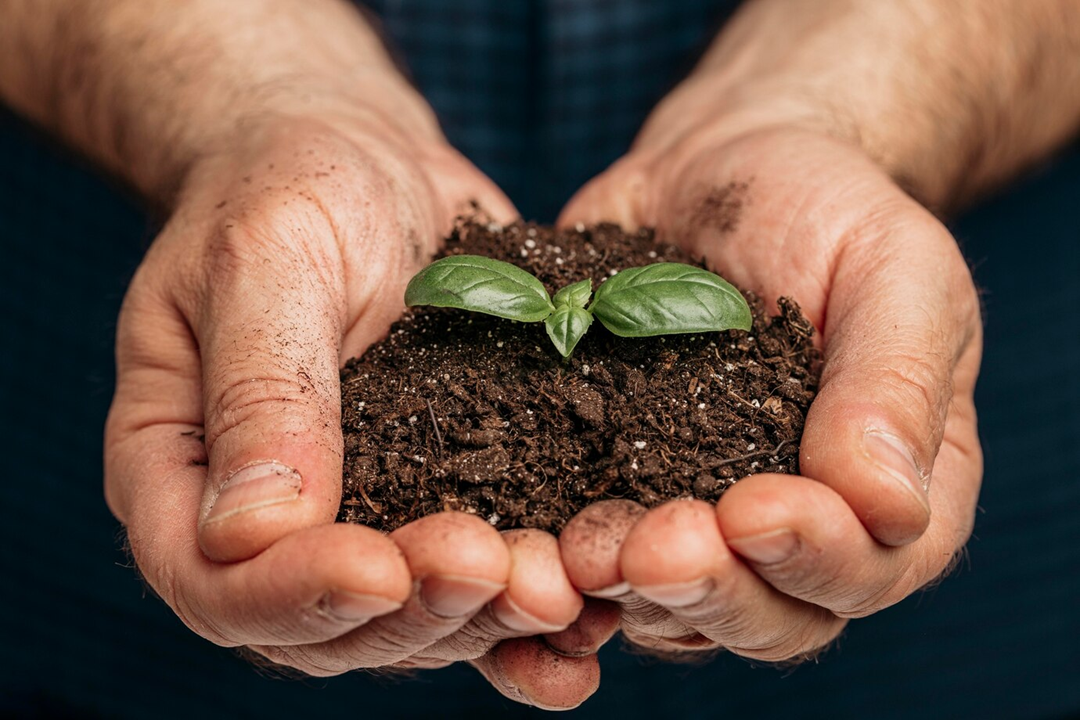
x=268, y=329
x=621, y=194
x=900, y=338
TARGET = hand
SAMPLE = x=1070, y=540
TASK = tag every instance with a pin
x=890, y=457
x=286, y=255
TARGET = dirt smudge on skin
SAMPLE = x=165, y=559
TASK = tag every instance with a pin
x=720, y=208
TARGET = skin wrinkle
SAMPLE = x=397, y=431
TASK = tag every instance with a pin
x=153, y=91
x=841, y=580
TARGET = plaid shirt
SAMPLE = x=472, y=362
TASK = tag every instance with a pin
x=544, y=94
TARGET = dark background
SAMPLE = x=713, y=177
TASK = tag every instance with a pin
x=998, y=639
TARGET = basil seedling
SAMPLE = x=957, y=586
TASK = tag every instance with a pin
x=659, y=299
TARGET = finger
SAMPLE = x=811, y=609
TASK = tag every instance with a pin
x=676, y=557
x=460, y=563
x=595, y=625
x=268, y=321
x=591, y=545
x=538, y=599
x=462, y=186
x=898, y=324
x=805, y=540
x=619, y=195
x=310, y=586
x=526, y=670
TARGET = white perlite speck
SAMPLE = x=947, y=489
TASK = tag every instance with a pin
x=639, y=444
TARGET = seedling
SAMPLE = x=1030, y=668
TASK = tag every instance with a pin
x=659, y=299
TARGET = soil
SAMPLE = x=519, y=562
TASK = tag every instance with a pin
x=462, y=411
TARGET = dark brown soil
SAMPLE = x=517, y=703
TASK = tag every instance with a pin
x=461, y=411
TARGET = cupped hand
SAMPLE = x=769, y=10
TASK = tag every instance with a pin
x=890, y=460
x=286, y=255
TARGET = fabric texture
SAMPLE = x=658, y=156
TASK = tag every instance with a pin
x=541, y=95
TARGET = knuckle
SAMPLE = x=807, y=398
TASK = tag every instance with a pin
x=801, y=642
x=279, y=226
x=275, y=241
x=468, y=643
x=839, y=588
x=646, y=618
x=162, y=579
x=806, y=576
x=930, y=564
x=691, y=646
x=241, y=391
x=157, y=569
x=297, y=658
x=381, y=642
x=877, y=597
x=719, y=614
x=923, y=382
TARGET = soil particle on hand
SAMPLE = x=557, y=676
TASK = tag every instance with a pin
x=462, y=411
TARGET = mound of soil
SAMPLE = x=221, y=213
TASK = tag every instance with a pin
x=462, y=411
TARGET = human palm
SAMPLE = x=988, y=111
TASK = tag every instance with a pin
x=287, y=254
x=890, y=460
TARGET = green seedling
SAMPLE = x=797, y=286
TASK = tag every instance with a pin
x=659, y=299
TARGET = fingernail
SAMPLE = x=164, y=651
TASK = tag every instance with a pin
x=255, y=486
x=677, y=594
x=512, y=616
x=611, y=591
x=767, y=548
x=355, y=607
x=450, y=596
x=893, y=456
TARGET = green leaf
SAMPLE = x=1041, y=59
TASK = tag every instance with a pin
x=565, y=327
x=669, y=298
x=576, y=295
x=480, y=284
